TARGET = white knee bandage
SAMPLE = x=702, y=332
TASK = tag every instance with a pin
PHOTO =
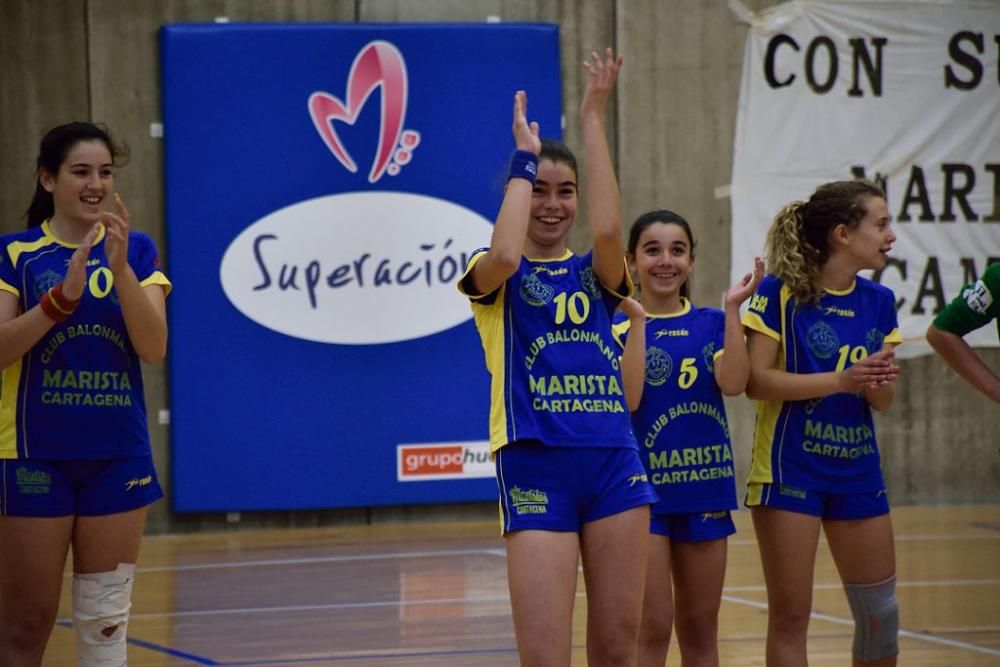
x=876, y=619
x=101, y=602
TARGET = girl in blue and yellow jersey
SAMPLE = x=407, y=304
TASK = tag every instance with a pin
x=82, y=300
x=821, y=341
x=675, y=375
x=570, y=479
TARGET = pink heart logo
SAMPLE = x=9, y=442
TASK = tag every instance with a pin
x=378, y=63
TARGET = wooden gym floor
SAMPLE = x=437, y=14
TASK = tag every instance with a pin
x=436, y=594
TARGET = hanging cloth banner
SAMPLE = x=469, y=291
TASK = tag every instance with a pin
x=905, y=93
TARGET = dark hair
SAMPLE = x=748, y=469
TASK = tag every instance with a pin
x=664, y=217
x=798, y=241
x=52, y=152
x=557, y=151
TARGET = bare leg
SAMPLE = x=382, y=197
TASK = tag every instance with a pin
x=787, y=542
x=699, y=573
x=32, y=557
x=541, y=574
x=100, y=543
x=657, y=605
x=865, y=553
x=614, y=566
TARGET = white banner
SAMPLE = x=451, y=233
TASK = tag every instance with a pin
x=904, y=92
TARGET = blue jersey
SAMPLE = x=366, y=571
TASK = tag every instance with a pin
x=555, y=372
x=681, y=424
x=823, y=444
x=77, y=394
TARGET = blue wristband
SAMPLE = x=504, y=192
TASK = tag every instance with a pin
x=524, y=164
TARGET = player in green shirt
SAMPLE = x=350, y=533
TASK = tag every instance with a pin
x=975, y=306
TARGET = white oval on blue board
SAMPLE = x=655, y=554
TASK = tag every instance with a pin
x=358, y=268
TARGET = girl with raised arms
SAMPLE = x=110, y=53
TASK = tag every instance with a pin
x=82, y=300
x=821, y=343
x=570, y=479
x=677, y=363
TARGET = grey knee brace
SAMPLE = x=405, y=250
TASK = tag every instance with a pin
x=876, y=619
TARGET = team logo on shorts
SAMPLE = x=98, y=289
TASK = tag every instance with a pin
x=46, y=281
x=659, y=366
x=822, y=340
x=529, y=501
x=35, y=482
x=792, y=492
x=590, y=285
x=873, y=340
x=708, y=356
x=534, y=291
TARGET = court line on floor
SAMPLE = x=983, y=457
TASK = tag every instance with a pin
x=463, y=600
x=374, y=604
x=273, y=562
x=157, y=648
x=371, y=656
x=899, y=584
x=333, y=606
x=934, y=639
x=900, y=538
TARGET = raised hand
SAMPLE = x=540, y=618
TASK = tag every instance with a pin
x=76, y=273
x=742, y=290
x=525, y=133
x=633, y=310
x=602, y=74
x=116, y=239
x=871, y=372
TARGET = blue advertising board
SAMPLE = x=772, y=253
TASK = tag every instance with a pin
x=325, y=184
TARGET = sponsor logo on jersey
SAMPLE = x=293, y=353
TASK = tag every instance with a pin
x=811, y=405
x=637, y=477
x=671, y=332
x=758, y=303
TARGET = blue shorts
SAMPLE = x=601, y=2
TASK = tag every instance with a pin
x=46, y=488
x=693, y=526
x=562, y=488
x=835, y=506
